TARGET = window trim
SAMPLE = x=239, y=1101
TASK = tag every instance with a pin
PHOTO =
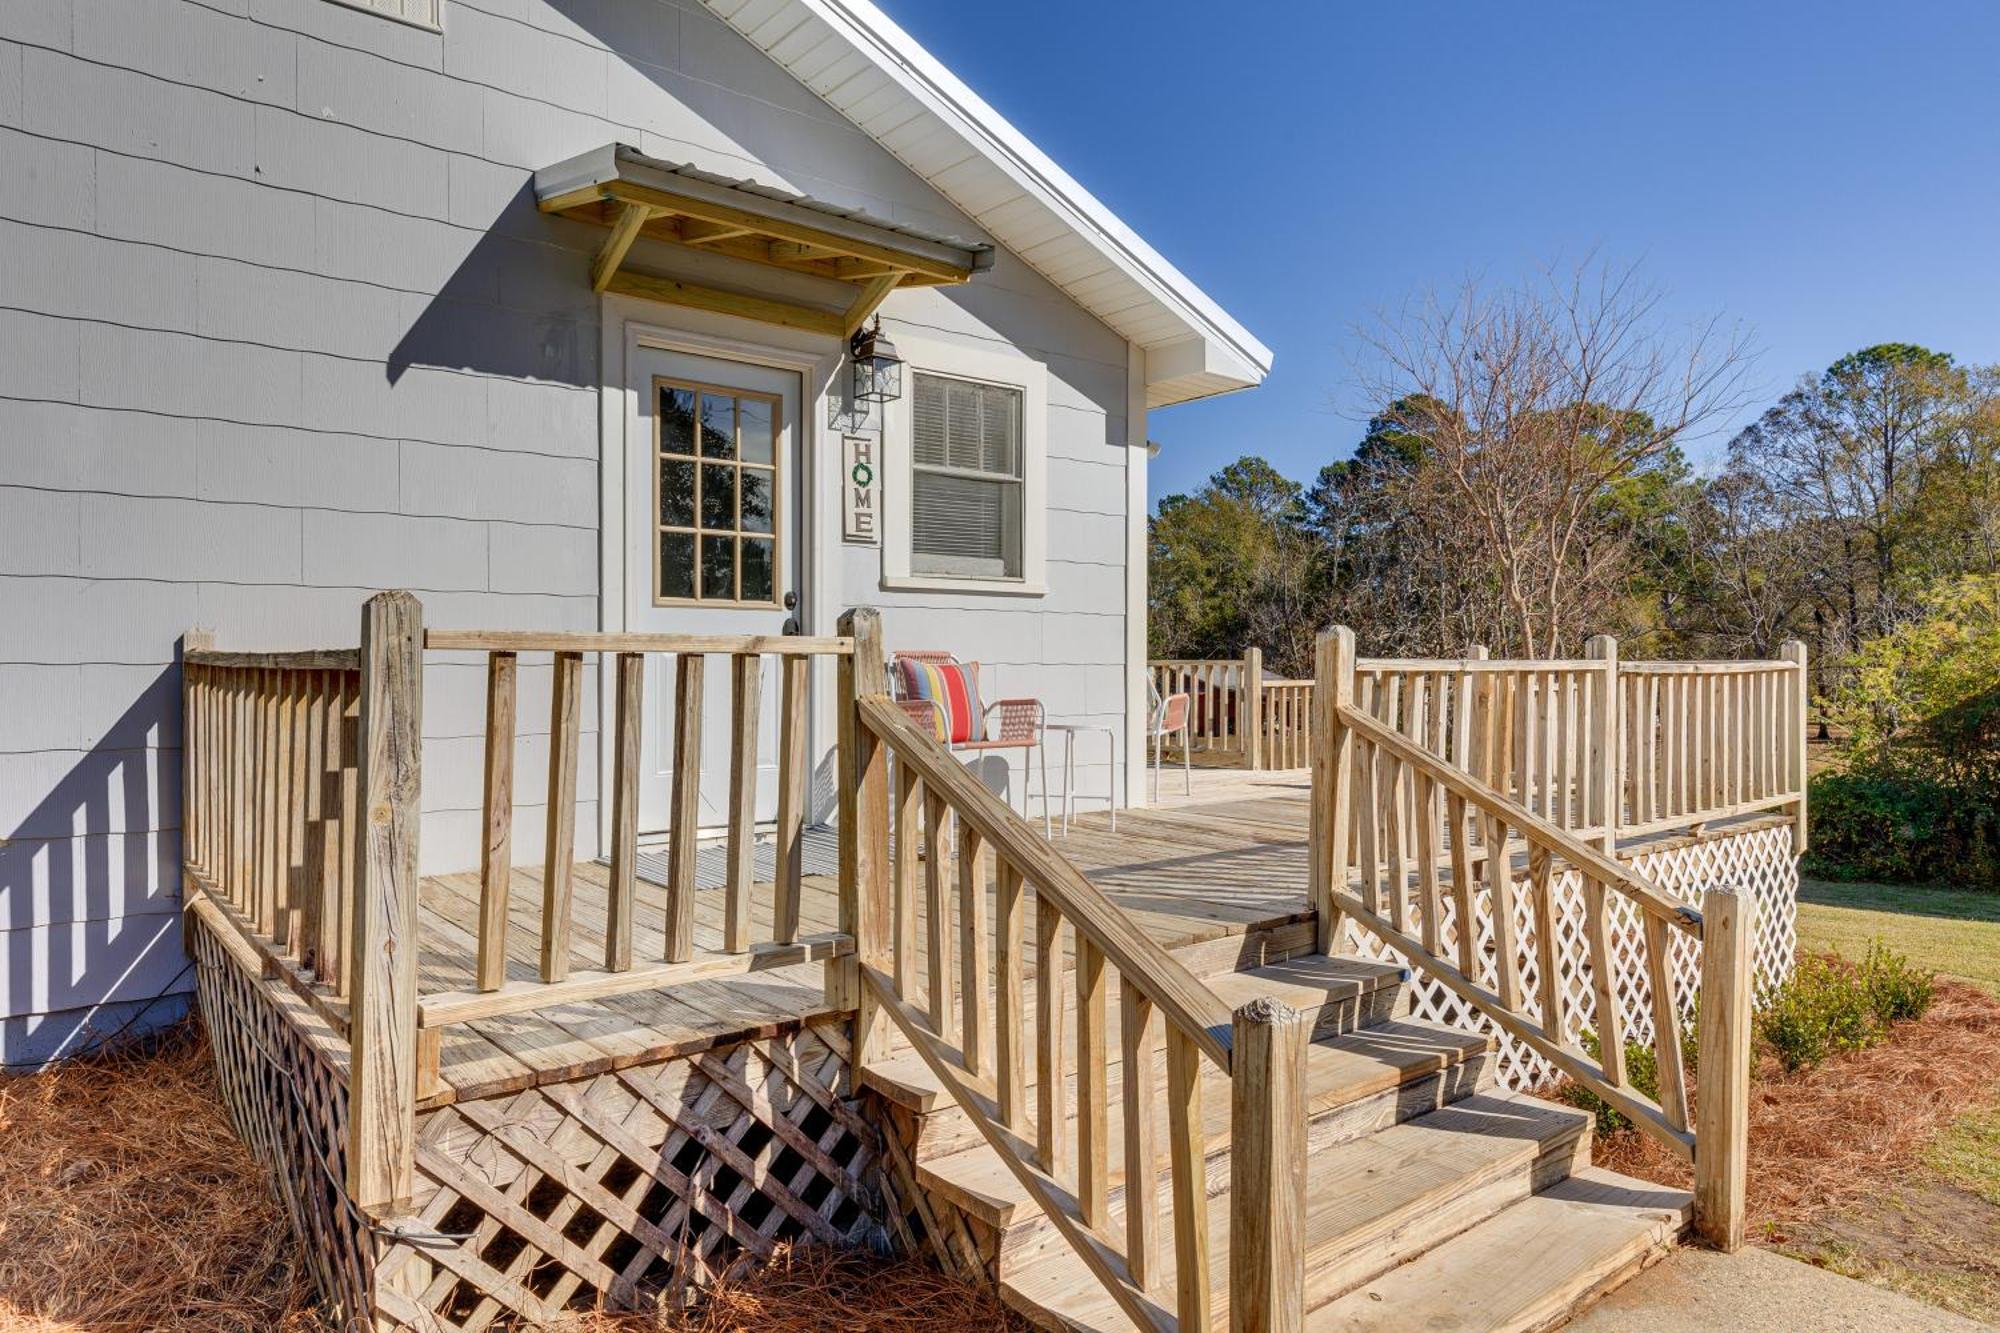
x=955, y=361
x=777, y=466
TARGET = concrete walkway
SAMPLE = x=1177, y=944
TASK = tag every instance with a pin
x=1758, y=1291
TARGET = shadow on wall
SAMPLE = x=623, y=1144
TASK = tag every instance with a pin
x=89, y=890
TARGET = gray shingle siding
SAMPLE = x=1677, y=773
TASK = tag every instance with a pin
x=282, y=326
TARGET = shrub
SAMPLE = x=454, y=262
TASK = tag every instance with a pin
x=1642, y=1070
x=1896, y=991
x=1820, y=1010
x=1887, y=823
x=1830, y=1005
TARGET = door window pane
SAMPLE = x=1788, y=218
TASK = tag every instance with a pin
x=677, y=564
x=758, y=571
x=757, y=500
x=757, y=428
x=676, y=493
x=718, y=426
x=676, y=421
x=718, y=497
x=718, y=568
x=717, y=455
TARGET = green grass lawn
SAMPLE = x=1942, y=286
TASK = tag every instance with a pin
x=1954, y=933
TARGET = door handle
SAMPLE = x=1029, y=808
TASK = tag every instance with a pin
x=792, y=627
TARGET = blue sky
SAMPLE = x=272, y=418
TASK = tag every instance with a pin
x=1828, y=173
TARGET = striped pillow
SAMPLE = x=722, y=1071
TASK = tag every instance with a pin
x=955, y=691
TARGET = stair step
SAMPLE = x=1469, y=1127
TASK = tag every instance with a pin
x=1526, y=1268
x=1355, y=1084
x=1341, y=994
x=1344, y=994
x=1371, y=1203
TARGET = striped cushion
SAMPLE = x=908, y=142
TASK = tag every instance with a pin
x=955, y=691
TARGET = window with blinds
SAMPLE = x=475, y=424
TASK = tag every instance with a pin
x=965, y=478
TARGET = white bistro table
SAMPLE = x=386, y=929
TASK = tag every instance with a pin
x=1070, y=731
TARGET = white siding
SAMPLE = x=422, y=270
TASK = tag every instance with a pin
x=283, y=327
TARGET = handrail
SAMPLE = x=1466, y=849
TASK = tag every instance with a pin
x=1599, y=867
x=587, y=641
x=1140, y=959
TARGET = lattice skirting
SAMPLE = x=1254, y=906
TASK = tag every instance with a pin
x=618, y=1188
x=1759, y=861
x=626, y=1185
x=283, y=1076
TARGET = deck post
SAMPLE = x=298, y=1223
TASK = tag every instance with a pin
x=1793, y=651
x=382, y=1092
x=195, y=814
x=864, y=832
x=1604, y=740
x=1267, y=1168
x=1331, y=807
x=1250, y=717
x=1722, y=1077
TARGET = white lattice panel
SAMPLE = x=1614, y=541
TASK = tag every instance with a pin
x=1759, y=861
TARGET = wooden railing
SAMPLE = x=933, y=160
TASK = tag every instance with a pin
x=1406, y=843
x=964, y=996
x=302, y=798
x=1597, y=746
x=621, y=659
x=1710, y=740
x=271, y=796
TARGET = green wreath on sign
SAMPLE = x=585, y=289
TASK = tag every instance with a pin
x=862, y=475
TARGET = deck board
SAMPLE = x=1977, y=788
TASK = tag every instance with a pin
x=1185, y=875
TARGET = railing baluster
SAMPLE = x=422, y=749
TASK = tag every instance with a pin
x=937, y=912
x=746, y=675
x=1051, y=1024
x=690, y=671
x=1432, y=905
x=1187, y=1146
x=1610, y=1023
x=789, y=890
x=1540, y=878
x=559, y=847
x=909, y=796
x=1500, y=885
x=350, y=828
x=1467, y=925
x=972, y=949
x=496, y=850
x=1093, y=1168
x=1666, y=1022
x=312, y=929
x=293, y=685
x=630, y=712
x=1139, y=1038
x=1368, y=826
x=1010, y=978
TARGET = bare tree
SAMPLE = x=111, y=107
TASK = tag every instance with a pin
x=1531, y=405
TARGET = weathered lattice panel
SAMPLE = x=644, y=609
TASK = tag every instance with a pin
x=283, y=1076
x=651, y=1178
x=1759, y=861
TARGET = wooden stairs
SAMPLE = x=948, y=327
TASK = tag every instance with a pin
x=1436, y=1200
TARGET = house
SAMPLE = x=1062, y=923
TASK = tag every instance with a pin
x=301, y=299
x=456, y=509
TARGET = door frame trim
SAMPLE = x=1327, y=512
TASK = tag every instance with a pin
x=627, y=324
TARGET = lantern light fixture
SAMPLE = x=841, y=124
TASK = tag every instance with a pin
x=878, y=371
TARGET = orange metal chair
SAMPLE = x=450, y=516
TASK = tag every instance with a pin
x=1171, y=715
x=1019, y=726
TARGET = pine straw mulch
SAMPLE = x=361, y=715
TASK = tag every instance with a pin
x=811, y=1288
x=1826, y=1137
x=128, y=1205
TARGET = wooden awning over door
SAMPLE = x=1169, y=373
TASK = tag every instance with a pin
x=634, y=195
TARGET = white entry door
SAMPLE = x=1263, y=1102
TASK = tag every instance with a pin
x=713, y=547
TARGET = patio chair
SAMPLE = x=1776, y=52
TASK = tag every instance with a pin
x=935, y=689
x=1171, y=714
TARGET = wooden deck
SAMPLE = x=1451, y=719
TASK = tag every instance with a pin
x=1228, y=862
